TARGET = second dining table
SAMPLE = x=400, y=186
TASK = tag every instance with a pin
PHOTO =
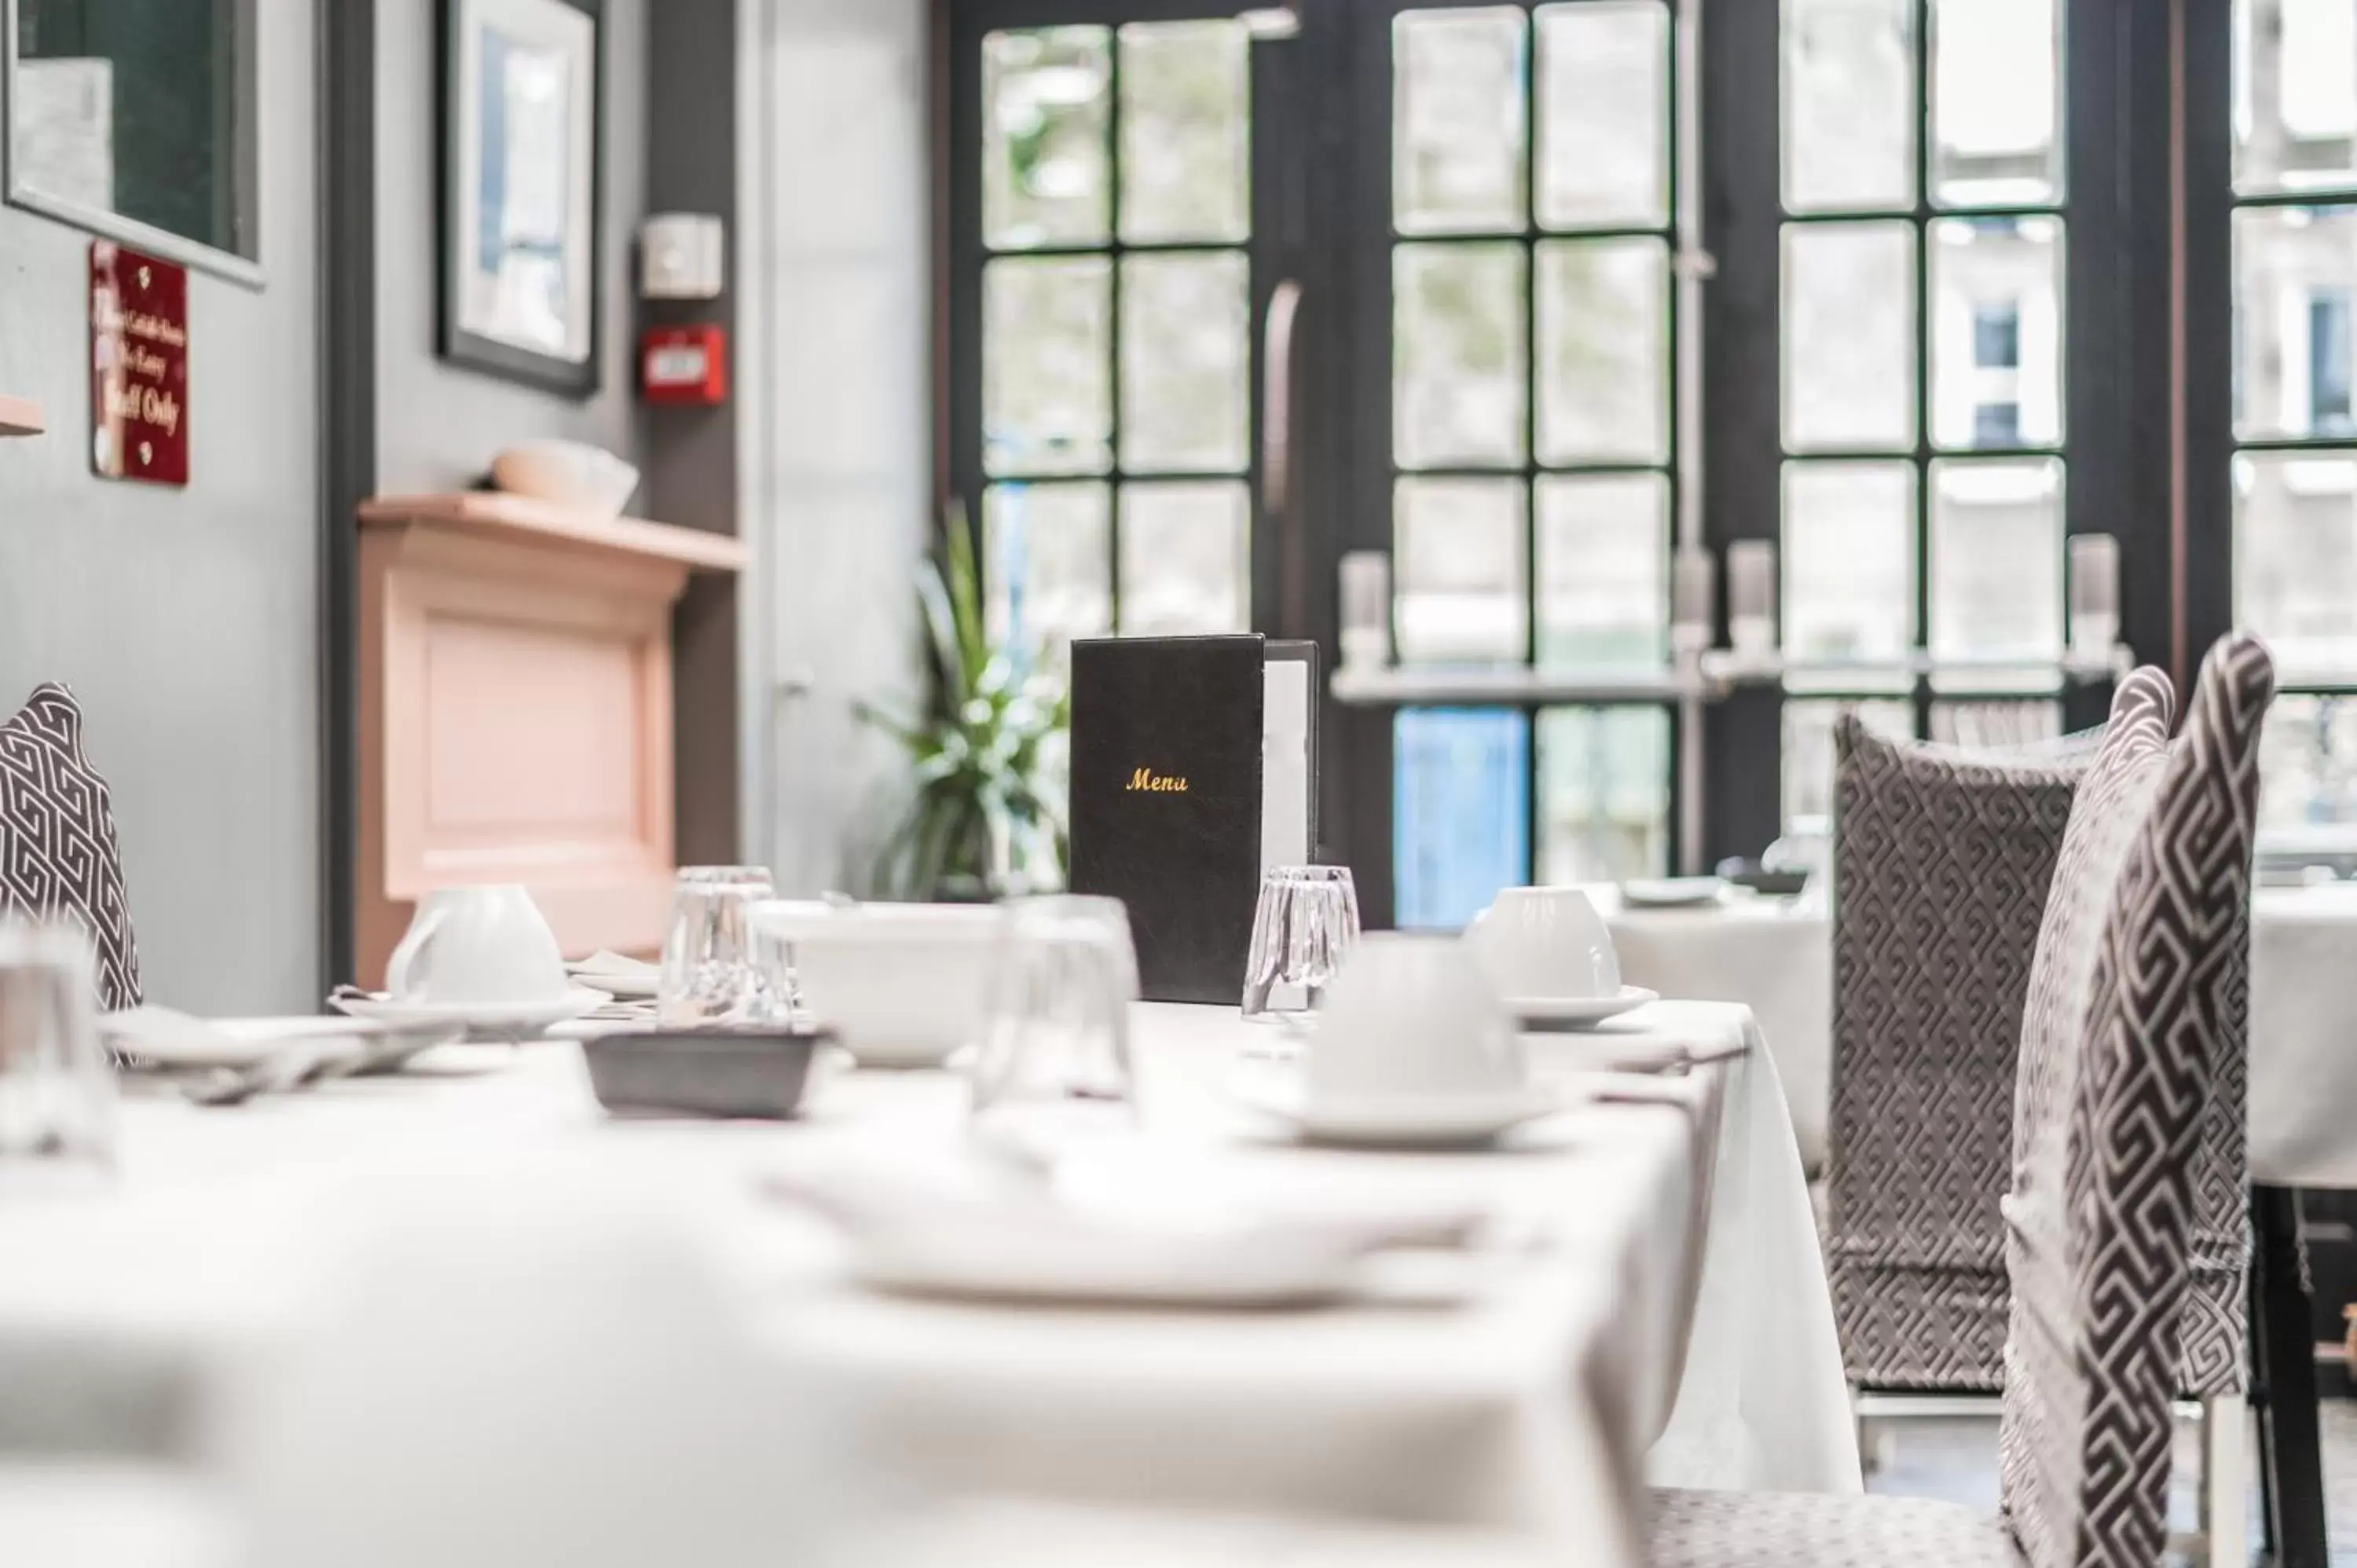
x=1649, y=1306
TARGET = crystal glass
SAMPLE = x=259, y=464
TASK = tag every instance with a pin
x=56, y=1092
x=1306, y=921
x=1055, y=1036
x=709, y=973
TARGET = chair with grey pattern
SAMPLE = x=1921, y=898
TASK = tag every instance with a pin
x=2139, y=990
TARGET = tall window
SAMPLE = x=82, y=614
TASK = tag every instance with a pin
x=2294, y=472
x=1115, y=330
x=1532, y=434
x=1924, y=221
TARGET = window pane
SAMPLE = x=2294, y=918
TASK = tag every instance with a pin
x=1047, y=401
x=1996, y=331
x=2295, y=275
x=1994, y=96
x=1604, y=561
x=1044, y=158
x=1458, y=138
x=1185, y=558
x=1849, y=336
x=1996, y=724
x=1809, y=749
x=2295, y=94
x=2308, y=763
x=1849, y=104
x=1460, y=813
x=1604, y=331
x=1604, y=794
x=1604, y=114
x=2296, y=558
x=143, y=110
x=1048, y=562
x=1460, y=382
x=1185, y=131
x=1997, y=563
x=1458, y=551
x=1186, y=340
x=1849, y=567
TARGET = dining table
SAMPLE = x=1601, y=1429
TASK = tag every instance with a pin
x=1775, y=955
x=1644, y=1302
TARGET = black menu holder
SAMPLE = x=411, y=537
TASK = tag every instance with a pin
x=1165, y=812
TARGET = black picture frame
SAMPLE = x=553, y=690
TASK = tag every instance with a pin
x=469, y=343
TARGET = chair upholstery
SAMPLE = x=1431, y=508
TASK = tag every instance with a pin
x=2100, y=1223
x=1942, y=861
x=2146, y=949
x=58, y=858
x=1809, y=1529
x=1915, y=1243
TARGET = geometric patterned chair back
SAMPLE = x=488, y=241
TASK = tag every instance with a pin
x=1942, y=859
x=2140, y=977
x=2212, y=1356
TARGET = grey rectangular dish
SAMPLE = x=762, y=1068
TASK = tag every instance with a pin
x=703, y=1072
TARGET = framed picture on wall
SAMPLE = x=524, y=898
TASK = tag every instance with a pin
x=520, y=176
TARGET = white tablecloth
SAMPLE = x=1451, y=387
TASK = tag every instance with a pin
x=1777, y=957
x=1671, y=1299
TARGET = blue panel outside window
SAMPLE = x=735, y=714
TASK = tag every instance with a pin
x=2328, y=361
x=1460, y=813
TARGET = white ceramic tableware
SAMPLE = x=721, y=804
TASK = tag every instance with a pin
x=901, y=985
x=1672, y=892
x=1413, y=1018
x=568, y=473
x=1577, y=1012
x=477, y=946
x=1544, y=942
x=1390, y=1122
x=631, y=979
x=514, y=1020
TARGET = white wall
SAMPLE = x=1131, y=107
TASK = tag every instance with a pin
x=837, y=447
x=186, y=621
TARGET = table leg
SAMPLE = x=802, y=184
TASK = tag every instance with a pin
x=2284, y=1333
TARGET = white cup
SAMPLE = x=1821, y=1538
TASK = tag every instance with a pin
x=1411, y=1017
x=1546, y=943
x=486, y=945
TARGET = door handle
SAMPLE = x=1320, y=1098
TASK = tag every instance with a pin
x=1276, y=474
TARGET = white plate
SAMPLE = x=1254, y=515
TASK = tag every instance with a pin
x=1672, y=892
x=519, y=1018
x=160, y=1038
x=1399, y=1122
x=1577, y=1012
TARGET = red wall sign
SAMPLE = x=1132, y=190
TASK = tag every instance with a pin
x=138, y=366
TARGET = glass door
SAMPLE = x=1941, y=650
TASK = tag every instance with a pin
x=1102, y=297
x=1519, y=433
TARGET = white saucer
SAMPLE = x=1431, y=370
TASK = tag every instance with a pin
x=631, y=978
x=521, y=1019
x=1399, y=1122
x=160, y=1037
x=1577, y=1012
x=1672, y=892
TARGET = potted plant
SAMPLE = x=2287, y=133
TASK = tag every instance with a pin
x=982, y=824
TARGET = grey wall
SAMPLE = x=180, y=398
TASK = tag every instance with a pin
x=838, y=457
x=691, y=472
x=438, y=425
x=186, y=621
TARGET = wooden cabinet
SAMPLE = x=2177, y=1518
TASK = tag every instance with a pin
x=515, y=711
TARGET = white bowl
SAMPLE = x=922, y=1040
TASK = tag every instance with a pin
x=901, y=985
x=567, y=473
